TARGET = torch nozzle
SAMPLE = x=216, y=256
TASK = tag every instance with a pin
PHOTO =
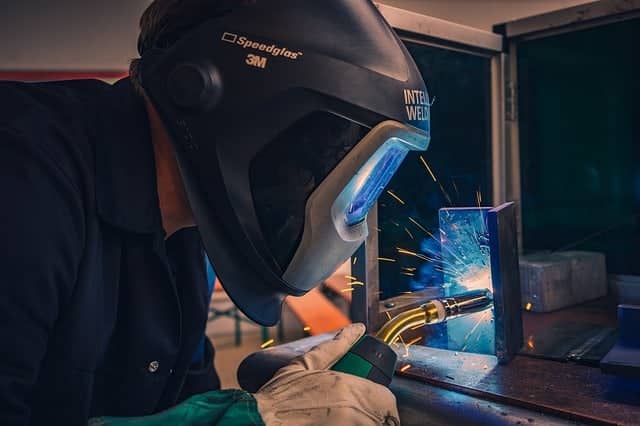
x=436, y=311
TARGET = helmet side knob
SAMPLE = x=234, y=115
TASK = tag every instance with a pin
x=195, y=86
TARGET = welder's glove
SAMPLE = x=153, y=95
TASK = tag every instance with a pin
x=306, y=392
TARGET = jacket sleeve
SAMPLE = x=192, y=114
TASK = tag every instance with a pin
x=201, y=377
x=41, y=234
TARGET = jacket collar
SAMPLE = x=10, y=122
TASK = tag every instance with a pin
x=126, y=192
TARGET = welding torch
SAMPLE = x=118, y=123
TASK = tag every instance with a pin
x=435, y=311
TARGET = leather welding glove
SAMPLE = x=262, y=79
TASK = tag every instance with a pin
x=303, y=393
x=306, y=392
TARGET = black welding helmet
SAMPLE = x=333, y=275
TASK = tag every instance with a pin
x=288, y=119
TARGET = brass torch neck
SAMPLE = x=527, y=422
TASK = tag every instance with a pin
x=435, y=311
x=416, y=317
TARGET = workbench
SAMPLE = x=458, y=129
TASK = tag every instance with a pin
x=445, y=388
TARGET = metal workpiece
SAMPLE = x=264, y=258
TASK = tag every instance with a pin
x=436, y=311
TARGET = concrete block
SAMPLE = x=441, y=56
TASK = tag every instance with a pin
x=588, y=274
x=551, y=281
x=545, y=282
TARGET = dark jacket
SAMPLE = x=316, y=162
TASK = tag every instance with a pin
x=98, y=314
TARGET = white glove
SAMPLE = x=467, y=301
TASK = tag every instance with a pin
x=306, y=392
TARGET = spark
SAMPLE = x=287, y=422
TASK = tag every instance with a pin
x=386, y=259
x=528, y=306
x=414, y=341
x=356, y=283
x=390, y=192
x=473, y=330
x=413, y=253
x=378, y=229
x=428, y=168
x=457, y=258
x=417, y=326
x=346, y=290
x=436, y=180
x=408, y=232
x=351, y=277
x=355, y=259
x=405, y=368
x=307, y=328
x=479, y=197
x=388, y=315
x=408, y=269
x=403, y=343
x=455, y=187
x=267, y=343
x=446, y=195
x=409, y=274
x=530, y=342
x=415, y=222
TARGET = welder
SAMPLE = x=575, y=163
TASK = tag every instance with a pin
x=112, y=195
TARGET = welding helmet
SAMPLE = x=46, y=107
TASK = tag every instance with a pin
x=288, y=118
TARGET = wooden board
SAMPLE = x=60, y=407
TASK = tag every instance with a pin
x=338, y=283
x=314, y=310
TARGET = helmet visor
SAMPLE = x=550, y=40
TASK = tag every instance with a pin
x=350, y=189
x=367, y=184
